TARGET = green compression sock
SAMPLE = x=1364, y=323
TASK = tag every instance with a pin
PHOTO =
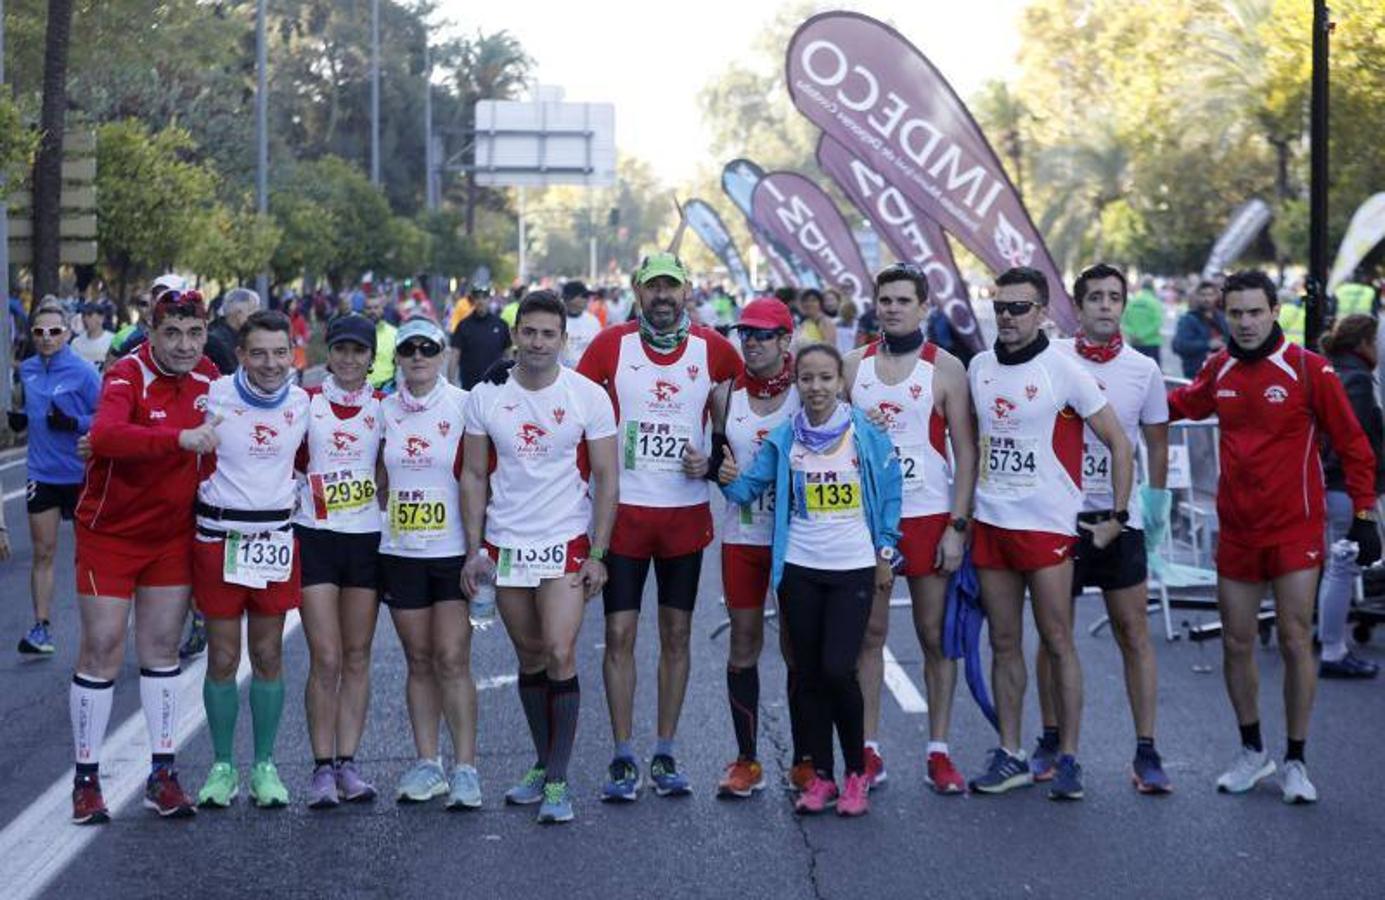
x=266, y=706
x=222, y=700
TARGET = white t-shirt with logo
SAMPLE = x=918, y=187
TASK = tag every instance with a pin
x=1030, y=422
x=422, y=453
x=752, y=523
x=827, y=521
x=1134, y=387
x=337, y=489
x=581, y=330
x=538, y=483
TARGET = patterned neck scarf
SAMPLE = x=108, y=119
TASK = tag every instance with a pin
x=665, y=343
x=414, y=404
x=820, y=438
x=339, y=396
x=773, y=386
x=1101, y=353
x=253, y=396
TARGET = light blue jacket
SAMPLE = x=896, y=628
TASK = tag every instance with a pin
x=882, y=486
x=71, y=384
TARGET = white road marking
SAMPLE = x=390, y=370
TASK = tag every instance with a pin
x=495, y=681
x=15, y=494
x=14, y=462
x=908, y=696
x=42, y=841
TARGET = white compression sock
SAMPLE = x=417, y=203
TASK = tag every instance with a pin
x=158, y=695
x=89, y=704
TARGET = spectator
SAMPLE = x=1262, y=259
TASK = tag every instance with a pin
x=95, y=341
x=1201, y=330
x=224, y=332
x=382, y=370
x=847, y=314
x=816, y=327
x=1143, y=320
x=300, y=334
x=477, y=342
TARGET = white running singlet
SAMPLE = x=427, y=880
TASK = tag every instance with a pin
x=538, y=484
x=581, y=331
x=422, y=453
x=752, y=523
x=1030, y=422
x=1134, y=387
x=827, y=524
x=917, y=429
x=336, y=487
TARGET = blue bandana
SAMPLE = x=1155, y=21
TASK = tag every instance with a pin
x=253, y=396
x=820, y=438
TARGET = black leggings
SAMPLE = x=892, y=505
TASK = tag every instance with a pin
x=676, y=578
x=826, y=614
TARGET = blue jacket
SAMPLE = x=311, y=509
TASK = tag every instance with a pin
x=882, y=486
x=1192, y=337
x=71, y=384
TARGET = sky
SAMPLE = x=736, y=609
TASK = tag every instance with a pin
x=652, y=59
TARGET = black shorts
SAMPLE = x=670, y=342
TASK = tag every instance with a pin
x=42, y=497
x=675, y=577
x=1121, y=565
x=409, y=583
x=332, y=557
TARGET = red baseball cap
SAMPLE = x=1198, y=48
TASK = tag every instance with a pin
x=766, y=312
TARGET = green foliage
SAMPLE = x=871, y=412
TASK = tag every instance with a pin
x=17, y=142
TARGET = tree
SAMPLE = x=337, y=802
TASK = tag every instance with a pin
x=232, y=245
x=48, y=162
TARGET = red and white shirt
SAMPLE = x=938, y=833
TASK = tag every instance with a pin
x=422, y=453
x=661, y=406
x=336, y=482
x=752, y=523
x=539, y=469
x=1030, y=421
x=916, y=426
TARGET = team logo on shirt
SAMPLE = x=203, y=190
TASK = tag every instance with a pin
x=414, y=446
x=1002, y=408
x=262, y=434
x=342, y=440
x=664, y=391
x=915, y=390
x=760, y=435
x=1031, y=391
x=559, y=414
x=510, y=407
x=444, y=427
x=529, y=440
x=1276, y=394
x=692, y=372
x=200, y=404
x=889, y=410
x=288, y=416
x=370, y=423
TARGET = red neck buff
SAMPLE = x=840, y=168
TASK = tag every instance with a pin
x=1101, y=353
x=773, y=386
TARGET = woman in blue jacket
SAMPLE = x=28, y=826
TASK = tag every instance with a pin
x=836, y=530
x=60, y=391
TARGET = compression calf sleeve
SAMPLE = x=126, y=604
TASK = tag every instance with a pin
x=533, y=696
x=564, y=702
x=222, y=702
x=89, y=705
x=158, y=696
x=266, y=707
x=743, y=689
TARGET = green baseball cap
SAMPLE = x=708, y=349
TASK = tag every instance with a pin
x=661, y=264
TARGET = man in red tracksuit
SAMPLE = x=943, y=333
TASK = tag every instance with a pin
x=1274, y=399
x=134, y=542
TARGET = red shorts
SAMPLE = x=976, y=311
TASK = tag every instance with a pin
x=114, y=567
x=1019, y=551
x=216, y=599
x=745, y=571
x=918, y=542
x=652, y=532
x=1245, y=562
x=578, y=550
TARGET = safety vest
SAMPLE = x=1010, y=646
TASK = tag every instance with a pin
x=1353, y=297
x=1293, y=318
x=382, y=369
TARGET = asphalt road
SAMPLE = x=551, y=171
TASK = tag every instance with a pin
x=1194, y=843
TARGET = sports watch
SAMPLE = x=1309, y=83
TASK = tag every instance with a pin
x=959, y=524
x=597, y=553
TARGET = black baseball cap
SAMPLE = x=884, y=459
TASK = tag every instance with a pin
x=352, y=327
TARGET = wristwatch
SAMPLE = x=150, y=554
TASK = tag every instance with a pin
x=1122, y=516
x=597, y=553
x=958, y=524
x=888, y=554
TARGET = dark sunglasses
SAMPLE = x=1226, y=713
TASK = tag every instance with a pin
x=1013, y=308
x=427, y=348
x=39, y=331
x=759, y=334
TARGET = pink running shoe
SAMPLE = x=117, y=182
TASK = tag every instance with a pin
x=855, y=798
x=816, y=797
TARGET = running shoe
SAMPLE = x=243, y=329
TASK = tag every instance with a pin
x=1003, y=773
x=742, y=779
x=1067, y=779
x=801, y=775
x=855, y=798
x=424, y=781
x=351, y=787
x=266, y=790
x=1350, y=666
x=464, y=790
x=1148, y=773
x=943, y=776
x=88, y=807
x=322, y=792
x=1297, y=787
x=624, y=785
x=529, y=790
x=196, y=641
x=1044, y=758
x=221, y=787
x=875, y=768
x=165, y=796
x=557, y=804
x=38, y=642
x=1248, y=769
x=817, y=796
x=668, y=781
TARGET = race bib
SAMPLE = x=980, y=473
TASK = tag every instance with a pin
x=911, y=466
x=340, y=494
x=1096, y=468
x=1009, y=465
x=655, y=446
x=417, y=516
x=760, y=511
x=830, y=495
x=254, y=560
x=527, y=566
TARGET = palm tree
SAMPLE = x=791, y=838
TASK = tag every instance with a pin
x=489, y=67
x=48, y=163
x=1002, y=117
x=1081, y=180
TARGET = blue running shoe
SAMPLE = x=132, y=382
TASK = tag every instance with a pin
x=1148, y=773
x=668, y=781
x=529, y=790
x=1067, y=780
x=1003, y=773
x=624, y=786
x=557, y=804
x=1044, y=758
x=38, y=642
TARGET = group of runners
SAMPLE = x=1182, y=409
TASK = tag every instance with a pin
x=548, y=485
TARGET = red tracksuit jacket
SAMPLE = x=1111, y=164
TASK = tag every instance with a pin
x=1272, y=413
x=140, y=485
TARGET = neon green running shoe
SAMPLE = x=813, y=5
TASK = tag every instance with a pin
x=221, y=787
x=266, y=790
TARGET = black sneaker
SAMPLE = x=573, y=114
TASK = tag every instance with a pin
x=1349, y=666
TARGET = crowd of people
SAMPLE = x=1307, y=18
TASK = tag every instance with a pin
x=522, y=455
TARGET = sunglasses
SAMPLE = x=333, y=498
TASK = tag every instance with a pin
x=53, y=332
x=1013, y=308
x=427, y=348
x=179, y=303
x=759, y=334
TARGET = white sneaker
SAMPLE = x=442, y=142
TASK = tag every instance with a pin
x=465, y=789
x=1249, y=769
x=1297, y=787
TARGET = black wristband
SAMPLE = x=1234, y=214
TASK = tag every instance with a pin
x=716, y=457
x=17, y=421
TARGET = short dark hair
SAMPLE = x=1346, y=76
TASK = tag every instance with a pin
x=1206, y=285
x=819, y=347
x=264, y=320
x=572, y=290
x=1250, y=280
x=903, y=272
x=785, y=295
x=542, y=301
x=1097, y=273
x=1025, y=275
x=810, y=294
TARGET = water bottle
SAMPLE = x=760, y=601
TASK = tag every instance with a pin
x=482, y=606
